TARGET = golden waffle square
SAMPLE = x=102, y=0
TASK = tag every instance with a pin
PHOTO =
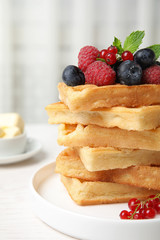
x=95, y=136
x=140, y=119
x=92, y=193
x=69, y=164
x=101, y=158
x=88, y=97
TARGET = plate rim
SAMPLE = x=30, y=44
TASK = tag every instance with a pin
x=34, y=192
x=88, y=227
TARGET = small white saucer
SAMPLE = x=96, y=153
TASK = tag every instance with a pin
x=32, y=147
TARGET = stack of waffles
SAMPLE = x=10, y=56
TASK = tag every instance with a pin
x=113, y=138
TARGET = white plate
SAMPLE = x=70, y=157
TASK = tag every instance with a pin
x=52, y=204
x=32, y=147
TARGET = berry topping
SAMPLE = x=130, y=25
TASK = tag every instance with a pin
x=124, y=214
x=99, y=73
x=127, y=55
x=73, y=76
x=110, y=58
x=133, y=203
x=144, y=57
x=129, y=73
x=148, y=204
x=151, y=75
x=137, y=216
x=112, y=49
x=149, y=212
x=116, y=64
x=142, y=209
x=103, y=53
x=157, y=207
x=153, y=200
x=86, y=56
x=115, y=67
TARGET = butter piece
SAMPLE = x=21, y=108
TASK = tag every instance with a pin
x=8, y=120
x=11, y=132
x=1, y=133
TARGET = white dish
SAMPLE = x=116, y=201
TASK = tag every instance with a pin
x=52, y=204
x=32, y=147
x=13, y=145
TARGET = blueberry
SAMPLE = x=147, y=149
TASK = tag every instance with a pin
x=115, y=67
x=73, y=76
x=157, y=63
x=129, y=73
x=145, y=57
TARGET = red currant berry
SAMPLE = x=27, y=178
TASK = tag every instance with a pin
x=110, y=58
x=151, y=196
x=154, y=201
x=149, y=213
x=127, y=55
x=130, y=213
x=103, y=53
x=148, y=204
x=133, y=203
x=112, y=49
x=137, y=216
x=124, y=214
x=141, y=211
x=157, y=207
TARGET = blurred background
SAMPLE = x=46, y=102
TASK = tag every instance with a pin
x=38, y=38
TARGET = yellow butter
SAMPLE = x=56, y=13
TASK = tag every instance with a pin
x=1, y=133
x=11, y=132
x=8, y=120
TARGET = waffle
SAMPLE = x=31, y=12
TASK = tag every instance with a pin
x=95, y=136
x=101, y=158
x=140, y=119
x=70, y=165
x=91, y=193
x=88, y=97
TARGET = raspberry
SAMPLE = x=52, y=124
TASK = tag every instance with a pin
x=100, y=74
x=86, y=56
x=151, y=75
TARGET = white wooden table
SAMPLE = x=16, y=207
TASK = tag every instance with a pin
x=17, y=221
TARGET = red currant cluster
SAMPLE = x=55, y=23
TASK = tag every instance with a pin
x=109, y=55
x=142, y=209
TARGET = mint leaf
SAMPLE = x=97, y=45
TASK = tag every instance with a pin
x=118, y=45
x=156, y=50
x=133, y=41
